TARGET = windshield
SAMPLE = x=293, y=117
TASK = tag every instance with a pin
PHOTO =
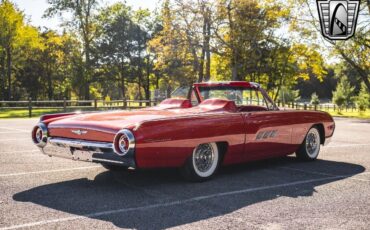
x=240, y=95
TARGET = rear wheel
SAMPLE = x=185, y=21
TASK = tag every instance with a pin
x=203, y=163
x=112, y=167
x=310, y=148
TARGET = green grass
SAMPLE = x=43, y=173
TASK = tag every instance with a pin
x=23, y=113
x=350, y=113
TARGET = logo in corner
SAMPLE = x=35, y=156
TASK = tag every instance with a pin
x=338, y=18
x=79, y=132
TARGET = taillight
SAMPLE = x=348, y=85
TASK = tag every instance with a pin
x=124, y=142
x=40, y=135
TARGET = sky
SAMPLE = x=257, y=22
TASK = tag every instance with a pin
x=34, y=9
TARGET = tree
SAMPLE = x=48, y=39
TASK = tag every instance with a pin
x=83, y=21
x=288, y=96
x=363, y=98
x=354, y=51
x=11, y=22
x=315, y=100
x=342, y=96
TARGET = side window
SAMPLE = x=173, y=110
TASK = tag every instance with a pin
x=253, y=97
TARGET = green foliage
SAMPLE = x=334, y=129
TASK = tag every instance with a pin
x=288, y=95
x=342, y=96
x=119, y=52
x=315, y=99
x=363, y=98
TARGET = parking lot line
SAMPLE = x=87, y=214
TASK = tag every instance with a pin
x=15, y=139
x=346, y=145
x=167, y=204
x=14, y=129
x=326, y=174
x=21, y=151
x=48, y=171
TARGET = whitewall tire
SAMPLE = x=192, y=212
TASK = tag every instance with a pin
x=310, y=148
x=203, y=163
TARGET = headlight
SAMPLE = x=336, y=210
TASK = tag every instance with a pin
x=40, y=135
x=124, y=142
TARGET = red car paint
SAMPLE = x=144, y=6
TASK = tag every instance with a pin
x=167, y=134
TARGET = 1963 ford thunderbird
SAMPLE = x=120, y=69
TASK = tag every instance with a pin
x=217, y=123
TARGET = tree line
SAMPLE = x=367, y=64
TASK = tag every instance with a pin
x=118, y=52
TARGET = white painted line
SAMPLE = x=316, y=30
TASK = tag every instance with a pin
x=167, y=204
x=346, y=145
x=21, y=151
x=15, y=139
x=14, y=129
x=47, y=171
x=327, y=174
x=10, y=132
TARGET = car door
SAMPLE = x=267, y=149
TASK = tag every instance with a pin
x=268, y=134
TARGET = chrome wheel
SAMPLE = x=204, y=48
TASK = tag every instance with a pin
x=313, y=143
x=205, y=159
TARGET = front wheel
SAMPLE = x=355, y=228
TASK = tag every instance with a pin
x=310, y=148
x=203, y=163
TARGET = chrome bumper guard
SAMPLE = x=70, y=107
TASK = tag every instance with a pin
x=91, y=151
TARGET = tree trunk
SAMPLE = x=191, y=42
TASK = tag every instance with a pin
x=87, y=71
x=50, y=85
x=2, y=72
x=208, y=52
x=9, y=71
x=147, y=87
x=201, y=63
x=363, y=73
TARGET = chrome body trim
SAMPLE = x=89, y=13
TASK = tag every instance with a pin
x=131, y=140
x=90, y=151
x=44, y=137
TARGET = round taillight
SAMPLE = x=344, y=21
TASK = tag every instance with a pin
x=124, y=142
x=39, y=135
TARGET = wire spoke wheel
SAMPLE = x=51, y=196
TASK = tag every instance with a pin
x=310, y=147
x=205, y=159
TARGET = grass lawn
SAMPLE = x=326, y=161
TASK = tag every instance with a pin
x=349, y=113
x=23, y=113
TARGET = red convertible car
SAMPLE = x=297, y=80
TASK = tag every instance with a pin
x=217, y=123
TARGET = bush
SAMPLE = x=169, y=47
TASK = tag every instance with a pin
x=363, y=98
x=315, y=99
x=288, y=95
x=343, y=93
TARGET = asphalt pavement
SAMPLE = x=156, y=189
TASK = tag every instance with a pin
x=40, y=192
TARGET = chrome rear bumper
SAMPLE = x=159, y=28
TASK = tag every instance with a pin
x=91, y=151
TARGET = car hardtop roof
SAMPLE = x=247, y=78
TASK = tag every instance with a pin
x=244, y=84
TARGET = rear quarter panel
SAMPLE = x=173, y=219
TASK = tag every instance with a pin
x=169, y=142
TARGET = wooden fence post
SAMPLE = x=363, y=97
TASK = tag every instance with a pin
x=65, y=104
x=305, y=106
x=124, y=103
x=30, y=107
x=95, y=104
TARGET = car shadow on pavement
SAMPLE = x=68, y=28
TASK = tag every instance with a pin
x=158, y=199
